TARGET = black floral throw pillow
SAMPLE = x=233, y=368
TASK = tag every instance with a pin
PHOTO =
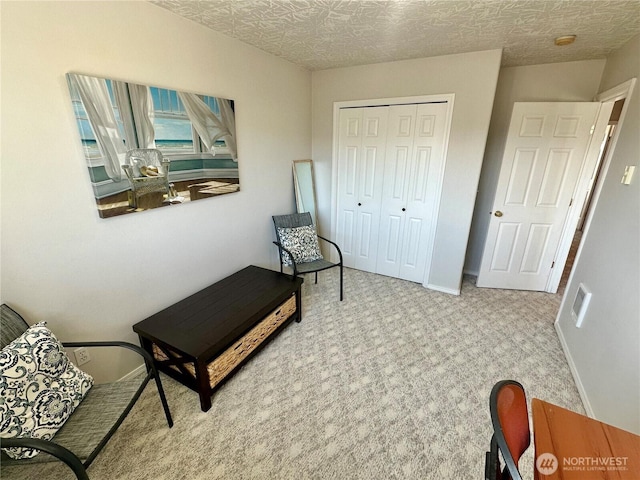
x=302, y=242
x=39, y=386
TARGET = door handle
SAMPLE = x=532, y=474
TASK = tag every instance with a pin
x=359, y=204
x=498, y=213
x=404, y=209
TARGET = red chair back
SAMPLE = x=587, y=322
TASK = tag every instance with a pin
x=510, y=420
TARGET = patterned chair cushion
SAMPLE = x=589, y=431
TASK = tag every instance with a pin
x=302, y=242
x=40, y=386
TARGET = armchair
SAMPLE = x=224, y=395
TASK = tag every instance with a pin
x=148, y=172
x=297, y=242
x=94, y=420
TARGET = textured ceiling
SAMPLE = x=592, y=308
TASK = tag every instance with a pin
x=325, y=34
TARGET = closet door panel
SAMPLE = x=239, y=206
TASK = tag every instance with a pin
x=361, y=157
x=397, y=169
x=427, y=162
x=346, y=229
x=390, y=168
x=391, y=241
x=365, y=233
x=349, y=150
x=369, y=177
x=370, y=172
x=411, y=246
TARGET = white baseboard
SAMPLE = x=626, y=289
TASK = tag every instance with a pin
x=438, y=288
x=574, y=372
x=134, y=373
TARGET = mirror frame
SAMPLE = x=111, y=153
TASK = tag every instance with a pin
x=303, y=177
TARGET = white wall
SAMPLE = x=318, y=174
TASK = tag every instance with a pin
x=605, y=350
x=554, y=82
x=472, y=78
x=94, y=278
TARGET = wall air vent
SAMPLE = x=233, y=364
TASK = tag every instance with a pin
x=580, y=304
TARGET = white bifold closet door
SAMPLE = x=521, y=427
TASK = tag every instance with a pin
x=362, y=143
x=389, y=173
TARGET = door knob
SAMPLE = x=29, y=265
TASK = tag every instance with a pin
x=404, y=209
x=359, y=204
x=498, y=213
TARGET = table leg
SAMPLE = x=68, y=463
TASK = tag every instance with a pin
x=204, y=387
x=298, y=305
x=148, y=346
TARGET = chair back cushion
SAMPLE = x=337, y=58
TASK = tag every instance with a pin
x=12, y=325
x=510, y=420
x=302, y=242
x=292, y=220
x=512, y=410
x=40, y=386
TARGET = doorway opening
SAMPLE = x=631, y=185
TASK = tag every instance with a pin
x=587, y=208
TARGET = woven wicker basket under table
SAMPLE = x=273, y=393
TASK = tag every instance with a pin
x=205, y=338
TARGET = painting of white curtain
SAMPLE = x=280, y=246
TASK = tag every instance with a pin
x=96, y=102
x=210, y=126
x=190, y=137
x=138, y=119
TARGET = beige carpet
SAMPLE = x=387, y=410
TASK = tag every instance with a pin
x=392, y=383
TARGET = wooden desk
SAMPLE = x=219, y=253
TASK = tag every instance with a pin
x=205, y=338
x=583, y=447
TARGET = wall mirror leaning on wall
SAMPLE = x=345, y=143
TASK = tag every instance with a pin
x=305, y=188
x=149, y=147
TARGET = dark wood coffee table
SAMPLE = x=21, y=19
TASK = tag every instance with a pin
x=205, y=338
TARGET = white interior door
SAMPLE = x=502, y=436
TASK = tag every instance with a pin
x=413, y=166
x=425, y=177
x=544, y=153
x=361, y=149
x=397, y=169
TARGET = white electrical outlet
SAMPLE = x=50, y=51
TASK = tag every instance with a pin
x=82, y=355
